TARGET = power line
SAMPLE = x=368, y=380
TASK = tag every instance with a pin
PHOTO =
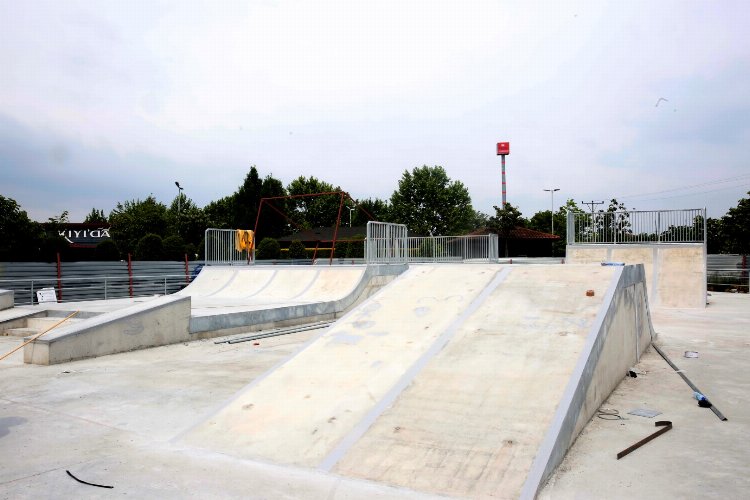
x=698, y=193
x=703, y=184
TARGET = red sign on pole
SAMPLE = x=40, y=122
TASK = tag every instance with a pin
x=503, y=148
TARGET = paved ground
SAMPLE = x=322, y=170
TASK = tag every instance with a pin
x=113, y=420
x=701, y=457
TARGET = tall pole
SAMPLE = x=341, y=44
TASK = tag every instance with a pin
x=179, y=200
x=503, y=157
x=503, y=149
x=552, y=211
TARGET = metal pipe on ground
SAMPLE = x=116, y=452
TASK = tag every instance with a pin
x=688, y=382
x=277, y=333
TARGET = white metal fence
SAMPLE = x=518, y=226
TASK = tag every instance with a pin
x=221, y=249
x=481, y=248
x=658, y=226
x=386, y=243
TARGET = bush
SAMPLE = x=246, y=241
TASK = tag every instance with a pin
x=297, y=250
x=150, y=247
x=174, y=247
x=191, y=251
x=107, y=250
x=356, y=248
x=268, y=248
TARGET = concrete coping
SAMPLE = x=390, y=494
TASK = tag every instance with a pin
x=6, y=299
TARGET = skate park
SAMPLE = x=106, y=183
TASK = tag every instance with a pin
x=467, y=379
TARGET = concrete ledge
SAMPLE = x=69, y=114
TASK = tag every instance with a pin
x=244, y=321
x=161, y=321
x=618, y=337
x=675, y=272
x=6, y=299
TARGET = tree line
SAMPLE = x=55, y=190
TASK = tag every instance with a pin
x=426, y=200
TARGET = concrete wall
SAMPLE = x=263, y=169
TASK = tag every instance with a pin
x=160, y=321
x=675, y=272
x=618, y=337
x=6, y=299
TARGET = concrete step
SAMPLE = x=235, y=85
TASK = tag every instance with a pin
x=21, y=332
x=47, y=322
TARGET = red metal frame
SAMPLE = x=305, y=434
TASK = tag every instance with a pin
x=342, y=195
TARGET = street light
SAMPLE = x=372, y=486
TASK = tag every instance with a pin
x=350, y=215
x=179, y=199
x=552, y=211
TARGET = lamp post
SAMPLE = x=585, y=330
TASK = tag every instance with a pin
x=179, y=199
x=552, y=211
x=350, y=215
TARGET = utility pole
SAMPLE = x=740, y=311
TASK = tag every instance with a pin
x=592, y=204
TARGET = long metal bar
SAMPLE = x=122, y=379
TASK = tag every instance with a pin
x=688, y=382
x=666, y=424
x=276, y=333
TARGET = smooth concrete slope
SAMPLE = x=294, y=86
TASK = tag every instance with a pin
x=675, y=272
x=160, y=321
x=6, y=299
x=461, y=380
x=230, y=300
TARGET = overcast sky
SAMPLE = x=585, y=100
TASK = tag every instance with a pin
x=104, y=101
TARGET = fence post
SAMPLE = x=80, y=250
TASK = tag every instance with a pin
x=32, y=293
x=59, y=275
x=187, y=271
x=130, y=276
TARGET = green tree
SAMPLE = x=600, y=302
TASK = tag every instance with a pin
x=95, y=217
x=150, y=247
x=504, y=221
x=219, y=213
x=186, y=220
x=268, y=249
x=715, y=243
x=297, y=250
x=173, y=247
x=428, y=202
x=246, y=201
x=379, y=209
x=735, y=226
x=132, y=220
x=107, y=250
x=314, y=211
x=271, y=222
x=21, y=236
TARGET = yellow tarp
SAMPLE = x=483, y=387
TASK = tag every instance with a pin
x=244, y=240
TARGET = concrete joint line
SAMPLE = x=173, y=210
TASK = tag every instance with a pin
x=342, y=448
x=216, y=410
x=574, y=396
x=309, y=285
x=265, y=285
x=234, y=276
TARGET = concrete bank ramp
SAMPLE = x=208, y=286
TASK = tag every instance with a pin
x=461, y=380
x=226, y=298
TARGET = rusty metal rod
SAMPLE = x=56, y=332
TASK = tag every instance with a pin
x=661, y=423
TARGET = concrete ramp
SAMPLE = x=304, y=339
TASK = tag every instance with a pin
x=228, y=300
x=464, y=380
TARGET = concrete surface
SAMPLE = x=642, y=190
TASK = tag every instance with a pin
x=160, y=321
x=125, y=419
x=460, y=365
x=6, y=299
x=675, y=272
x=701, y=457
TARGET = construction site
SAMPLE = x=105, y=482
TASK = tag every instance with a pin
x=611, y=373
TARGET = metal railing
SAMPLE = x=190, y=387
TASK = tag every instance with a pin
x=726, y=272
x=480, y=248
x=95, y=287
x=657, y=226
x=386, y=243
x=221, y=249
